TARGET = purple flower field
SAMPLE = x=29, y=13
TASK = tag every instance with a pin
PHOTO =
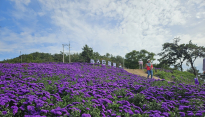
x=84, y=90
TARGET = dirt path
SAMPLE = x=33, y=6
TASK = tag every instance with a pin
x=140, y=73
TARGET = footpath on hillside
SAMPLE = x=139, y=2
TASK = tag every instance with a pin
x=140, y=72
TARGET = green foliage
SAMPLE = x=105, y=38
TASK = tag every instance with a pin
x=177, y=75
x=184, y=52
x=138, y=100
x=85, y=56
x=163, y=74
x=87, y=53
x=132, y=58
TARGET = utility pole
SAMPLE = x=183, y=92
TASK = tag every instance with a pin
x=69, y=52
x=63, y=50
x=176, y=40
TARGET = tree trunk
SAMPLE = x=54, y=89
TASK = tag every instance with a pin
x=193, y=67
x=181, y=67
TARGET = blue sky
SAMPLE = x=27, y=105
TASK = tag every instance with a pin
x=114, y=26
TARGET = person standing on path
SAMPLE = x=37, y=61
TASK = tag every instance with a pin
x=120, y=65
x=140, y=64
x=149, y=67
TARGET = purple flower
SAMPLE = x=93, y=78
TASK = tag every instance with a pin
x=15, y=109
x=198, y=114
x=4, y=112
x=31, y=108
x=51, y=104
x=166, y=114
x=109, y=111
x=44, y=98
x=58, y=113
x=119, y=96
x=83, y=101
x=130, y=112
x=182, y=114
x=110, y=97
x=137, y=112
x=190, y=114
x=86, y=115
x=22, y=107
x=103, y=114
x=2, y=103
x=103, y=107
x=44, y=111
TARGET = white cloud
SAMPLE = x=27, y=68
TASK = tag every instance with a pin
x=117, y=27
x=21, y=4
x=200, y=15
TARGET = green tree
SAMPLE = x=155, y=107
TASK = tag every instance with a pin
x=171, y=53
x=107, y=55
x=29, y=58
x=87, y=53
x=119, y=59
x=96, y=55
x=132, y=58
x=192, y=52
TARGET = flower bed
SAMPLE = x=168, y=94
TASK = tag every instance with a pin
x=79, y=89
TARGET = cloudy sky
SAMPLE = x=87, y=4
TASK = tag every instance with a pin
x=114, y=26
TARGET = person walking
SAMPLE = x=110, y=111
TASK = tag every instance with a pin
x=120, y=65
x=140, y=64
x=149, y=67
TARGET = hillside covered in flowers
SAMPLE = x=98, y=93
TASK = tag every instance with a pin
x=81, y=89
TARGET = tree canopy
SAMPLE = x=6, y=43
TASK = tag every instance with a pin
x=132, y=58
x=87, y=53
x=181, y=53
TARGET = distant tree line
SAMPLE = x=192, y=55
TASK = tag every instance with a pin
x=171, y=55
x=85, y=56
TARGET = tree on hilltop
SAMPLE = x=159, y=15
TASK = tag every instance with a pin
x=87, y=53
x=184, y=52
x=171, y=53
x=192, y=52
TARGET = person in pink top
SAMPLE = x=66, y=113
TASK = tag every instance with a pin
x=149, y=67
x=140, y=64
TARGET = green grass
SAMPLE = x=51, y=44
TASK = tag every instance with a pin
x=176, y=76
